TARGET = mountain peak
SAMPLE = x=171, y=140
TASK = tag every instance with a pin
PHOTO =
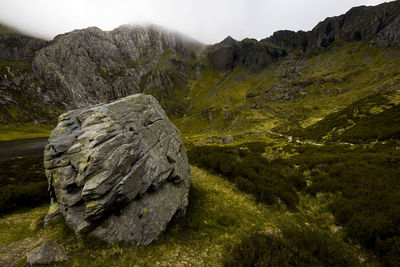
x=229, y=39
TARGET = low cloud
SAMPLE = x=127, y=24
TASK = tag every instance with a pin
x=208, y=21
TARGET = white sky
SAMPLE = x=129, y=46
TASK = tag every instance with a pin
x=208, y=21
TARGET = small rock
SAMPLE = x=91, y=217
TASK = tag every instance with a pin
x=227, y=139
x=46, y=253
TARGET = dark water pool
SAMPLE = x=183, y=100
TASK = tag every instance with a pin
x=22, y=148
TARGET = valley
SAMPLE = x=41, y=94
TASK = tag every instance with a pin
x=293, y=140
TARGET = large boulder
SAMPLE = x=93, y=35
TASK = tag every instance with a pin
x=118, y=171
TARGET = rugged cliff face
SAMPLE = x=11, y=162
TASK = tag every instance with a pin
x=40, y=79
x=379, y=25
x=91, y=66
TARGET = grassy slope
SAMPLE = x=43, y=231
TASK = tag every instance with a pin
x=327, y=83
x=198, y=239
x=375, y=117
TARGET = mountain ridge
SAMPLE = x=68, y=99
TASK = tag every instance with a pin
x=377, y=24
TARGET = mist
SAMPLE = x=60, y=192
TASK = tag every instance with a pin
x=208, y=21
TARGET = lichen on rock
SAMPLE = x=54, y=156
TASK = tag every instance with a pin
x=118, y=171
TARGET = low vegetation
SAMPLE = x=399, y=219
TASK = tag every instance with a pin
x=360, y=180
x=22, y=184
x=364, y=182
x=294, y=245
x=245, y=166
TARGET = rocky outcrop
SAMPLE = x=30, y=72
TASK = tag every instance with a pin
x=47, y=253
x=359, y=23
x=249, y=53
x=289, y=40
x=377, y=24
x=91, y=66
x=389, y=36
x=117, y=171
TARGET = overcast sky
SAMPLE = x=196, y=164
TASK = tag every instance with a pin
x=208, y=21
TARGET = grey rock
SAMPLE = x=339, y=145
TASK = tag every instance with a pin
x=227, y=139
x=47, y=253
x=389, y=36
x=117, y=171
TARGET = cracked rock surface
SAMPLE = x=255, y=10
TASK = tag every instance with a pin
x=117, y=171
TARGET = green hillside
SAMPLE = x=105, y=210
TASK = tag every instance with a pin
x=294, y=93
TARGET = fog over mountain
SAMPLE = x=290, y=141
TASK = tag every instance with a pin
x=208, y=21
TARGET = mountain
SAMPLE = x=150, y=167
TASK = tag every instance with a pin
x=378, y=25
x=89, y=66
x=282, y=83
